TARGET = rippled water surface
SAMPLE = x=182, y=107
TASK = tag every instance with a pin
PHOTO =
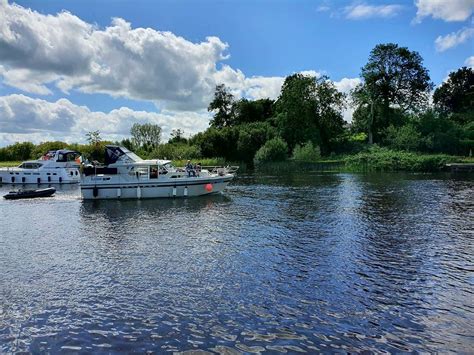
x=292, y=263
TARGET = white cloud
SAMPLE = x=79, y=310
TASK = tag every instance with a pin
x=121, y=61
x=23, y=118
x=447, y=10
x=323, y=8
x=470, y=62
x=365, y=11
x=453, y=39
x=345, y=85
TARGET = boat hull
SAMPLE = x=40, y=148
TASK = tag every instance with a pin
x=30, y=194
x=47, y=176
x=145, y=190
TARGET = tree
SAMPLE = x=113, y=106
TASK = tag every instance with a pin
x=247, y=111
x=177, y=136
x=395, y=81
x=274, y=149
x=93, y=137
x=147, y=135
x=456, y=96
x=309, y=109
x=221, y=105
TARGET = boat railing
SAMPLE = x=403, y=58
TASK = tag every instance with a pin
x=222, y=170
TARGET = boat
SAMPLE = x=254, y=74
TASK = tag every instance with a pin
x=127, y=176
x=55, y=167
x=15, y=195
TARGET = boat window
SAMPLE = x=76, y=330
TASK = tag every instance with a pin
x=30, y=166
x=154, y=172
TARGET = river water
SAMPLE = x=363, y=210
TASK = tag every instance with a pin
x=297, y=262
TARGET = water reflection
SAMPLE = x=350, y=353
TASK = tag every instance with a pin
x=279, y=263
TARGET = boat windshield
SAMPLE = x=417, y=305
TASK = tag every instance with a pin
x=30, y=165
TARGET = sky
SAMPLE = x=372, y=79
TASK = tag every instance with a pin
x=71, y=67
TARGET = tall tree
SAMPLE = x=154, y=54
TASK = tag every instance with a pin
x=247, y=111
x=177, y=136
x=93, y=137
x=309, y=109
x=395, y=81
x=221, y=105
x=146, y=135
x=456, y=95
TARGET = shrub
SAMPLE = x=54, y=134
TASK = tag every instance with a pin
x=403, y=138
x=383, y=159
x=273, y=150
x=175, y=151
x=307, y=152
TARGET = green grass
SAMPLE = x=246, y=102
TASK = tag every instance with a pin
x=203, y=161
x=376, y=159
x=9, y=164
x=381, y=159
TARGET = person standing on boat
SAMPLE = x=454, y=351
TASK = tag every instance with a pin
x=190, y=169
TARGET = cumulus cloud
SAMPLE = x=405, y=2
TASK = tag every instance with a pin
x=345, y=85
x=25, y=118
x=453, y=39
x=37, y=51
x=365, y=11
x=447, y=10
x=470, y=62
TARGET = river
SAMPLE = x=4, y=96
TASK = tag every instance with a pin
x=297, y=262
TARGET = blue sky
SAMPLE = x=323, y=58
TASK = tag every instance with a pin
x=82, y=70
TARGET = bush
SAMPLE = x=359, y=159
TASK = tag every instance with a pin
x=175, y=151
x=17, y=151
x=403, y=138
x=307, y=152
x=383, y=159
x=273, y=150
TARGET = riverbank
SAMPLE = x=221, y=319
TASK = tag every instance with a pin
x=380, y=160
x=9, y=164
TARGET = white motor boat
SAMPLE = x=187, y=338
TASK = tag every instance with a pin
x=127, y=176
x=55, y=167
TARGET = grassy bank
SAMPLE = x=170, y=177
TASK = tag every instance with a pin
x=9, y=164
x=383, y=160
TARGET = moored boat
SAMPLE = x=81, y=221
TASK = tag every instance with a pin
x=127, y=176
x=55, y=167
x=15, y=195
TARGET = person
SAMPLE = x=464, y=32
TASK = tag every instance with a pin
x=198, y=168
x=190, y=169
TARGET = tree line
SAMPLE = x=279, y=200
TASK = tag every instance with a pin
x=394, y=107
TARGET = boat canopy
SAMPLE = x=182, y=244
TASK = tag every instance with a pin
x=114, y=154
x=61, y=155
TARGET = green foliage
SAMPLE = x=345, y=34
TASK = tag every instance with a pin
x=306, y=152
x=93, y=137
x=221, y=105
x=273, y=150
x=309, y=109
x=456, y=96
x=251, y=137
x=177, y=136
x=146, y=136
x=395, y=83
x=245, y=111
x=403, y=138
x=383, y=159
x=175, y=151
x=395, y=75
x=17, y=151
